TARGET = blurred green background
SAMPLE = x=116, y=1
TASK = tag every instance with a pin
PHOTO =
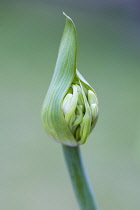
x=33, y=174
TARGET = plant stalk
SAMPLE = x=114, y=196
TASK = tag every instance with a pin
x=80, y=182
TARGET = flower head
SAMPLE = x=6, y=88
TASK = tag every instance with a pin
x=70, y=109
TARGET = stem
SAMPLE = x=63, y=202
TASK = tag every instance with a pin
x=81, y=185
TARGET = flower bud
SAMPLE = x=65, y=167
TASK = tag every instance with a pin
x=70, y=109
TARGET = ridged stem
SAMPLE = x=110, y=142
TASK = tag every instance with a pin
x=81, y=185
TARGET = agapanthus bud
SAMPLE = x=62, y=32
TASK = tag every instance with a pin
x=70, y=109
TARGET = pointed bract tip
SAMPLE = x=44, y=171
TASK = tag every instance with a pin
x=67, y=16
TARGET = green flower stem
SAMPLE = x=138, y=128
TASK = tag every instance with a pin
x=81, y=185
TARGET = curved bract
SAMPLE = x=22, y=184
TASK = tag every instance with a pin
x=70, y=108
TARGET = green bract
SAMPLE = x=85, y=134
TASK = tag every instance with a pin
x=70, y=108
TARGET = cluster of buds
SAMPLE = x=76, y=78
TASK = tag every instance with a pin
x=80, y=111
